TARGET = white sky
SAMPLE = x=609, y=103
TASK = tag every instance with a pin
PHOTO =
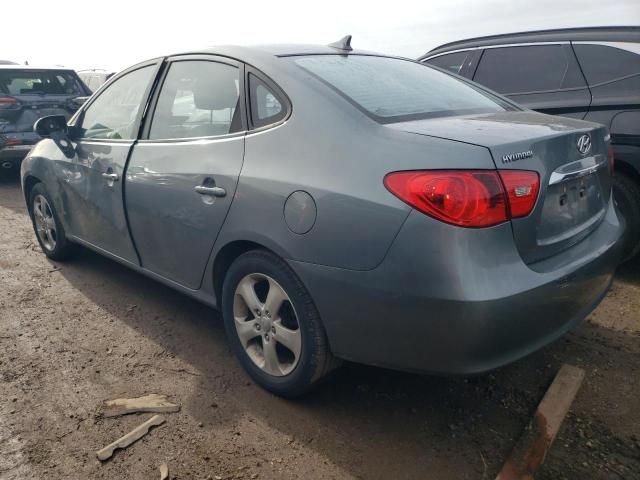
x=114, y=34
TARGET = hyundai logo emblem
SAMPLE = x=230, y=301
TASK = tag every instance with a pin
x=584, y=144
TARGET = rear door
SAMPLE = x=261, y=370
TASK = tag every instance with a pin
x=182, y=177
x=30, y=94
x=93, y=180
x=545, y=77
x=613, y=73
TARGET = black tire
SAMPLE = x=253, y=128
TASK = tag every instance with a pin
x=626, y=192
x=315, y=359
x=63, y=249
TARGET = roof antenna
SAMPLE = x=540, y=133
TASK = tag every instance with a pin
x=343, y=44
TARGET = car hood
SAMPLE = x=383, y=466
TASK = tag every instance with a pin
x=491, y=130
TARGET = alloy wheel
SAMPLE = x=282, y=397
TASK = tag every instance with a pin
x=267, y=324
x=45, y=223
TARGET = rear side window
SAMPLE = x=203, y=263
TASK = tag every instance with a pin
x=453, y=62
x=34, y=82
x=392, y=89
x=527, y=69
x=602, y=63
x=198, y=99
x=267, y=107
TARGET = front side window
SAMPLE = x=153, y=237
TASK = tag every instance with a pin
x=114, y=114
x=536, y=68
x=391, y=89
x=452, y=62
x=198, y=99
x=266, y=106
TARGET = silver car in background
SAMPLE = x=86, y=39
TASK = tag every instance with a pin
x=336, y=204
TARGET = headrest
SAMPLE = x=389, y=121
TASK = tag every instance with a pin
x=215, y=93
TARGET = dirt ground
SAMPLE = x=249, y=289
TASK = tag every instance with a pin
x=75, y=334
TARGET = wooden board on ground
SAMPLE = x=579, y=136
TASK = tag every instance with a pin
x=531, y=449
x=152, y=403
x=134, y=435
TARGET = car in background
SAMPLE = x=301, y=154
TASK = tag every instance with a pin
x=7, y=62
x=586, y=73
x=28, y=93
x=335, y=203
x=94, y=78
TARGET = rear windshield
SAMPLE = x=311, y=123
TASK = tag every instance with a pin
x=392, y=90
x=34, y=82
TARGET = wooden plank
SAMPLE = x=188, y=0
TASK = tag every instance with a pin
x=164, y=472
x=531, y=449
x=134, y=435
x=152, y=403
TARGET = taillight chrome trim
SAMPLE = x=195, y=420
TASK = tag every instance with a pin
x=579, y=168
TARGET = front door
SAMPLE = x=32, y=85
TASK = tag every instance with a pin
x=93, y=184
x=182, y=177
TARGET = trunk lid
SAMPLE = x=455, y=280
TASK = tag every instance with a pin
x=575, y=185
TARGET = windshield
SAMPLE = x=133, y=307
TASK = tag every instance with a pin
x=392, y=89
x=34, y=82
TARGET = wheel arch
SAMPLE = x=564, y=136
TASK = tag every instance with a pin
x=28, y=183
x=226, y=256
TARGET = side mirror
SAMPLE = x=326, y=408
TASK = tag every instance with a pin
x=55, y=128
x=46, y=126
x=77, y=102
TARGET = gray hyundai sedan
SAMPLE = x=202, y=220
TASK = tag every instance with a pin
x=336, y=204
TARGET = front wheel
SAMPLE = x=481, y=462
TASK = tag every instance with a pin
x=46, y=224
x=273, y=325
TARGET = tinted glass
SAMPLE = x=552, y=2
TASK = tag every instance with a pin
x=528, y=69
x=391, y=89
x=30, y=82
x=113, y=114
x=601, y=63
x=266, y=106
x=198, y=99
x=452, y=62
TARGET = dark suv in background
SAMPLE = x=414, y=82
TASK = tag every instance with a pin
x=586, y=73
x=28, y=93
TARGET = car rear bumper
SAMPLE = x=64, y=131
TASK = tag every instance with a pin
x=13, y=153
x=459, y=301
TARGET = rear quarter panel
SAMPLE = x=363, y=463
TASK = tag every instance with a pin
x=340, y=157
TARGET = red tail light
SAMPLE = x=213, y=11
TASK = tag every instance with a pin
x=8, y=103
x=471, y=198
x=610, y=157
x=522, y=190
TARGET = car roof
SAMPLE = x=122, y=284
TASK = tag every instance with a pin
x=602, y=34
x=265, y=54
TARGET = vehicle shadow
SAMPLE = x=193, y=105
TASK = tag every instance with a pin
x=11, y=191
x=371, y=422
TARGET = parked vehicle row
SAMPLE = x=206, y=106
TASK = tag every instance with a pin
x=28, y=93
x=94, y=78
x=586, y=73
x=336, y=204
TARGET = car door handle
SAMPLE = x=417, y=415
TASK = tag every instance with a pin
x=112, y=177
x=213, y=191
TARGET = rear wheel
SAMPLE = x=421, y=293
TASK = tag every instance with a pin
x=273, y=325
x=626, y=192
x=49, y=231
